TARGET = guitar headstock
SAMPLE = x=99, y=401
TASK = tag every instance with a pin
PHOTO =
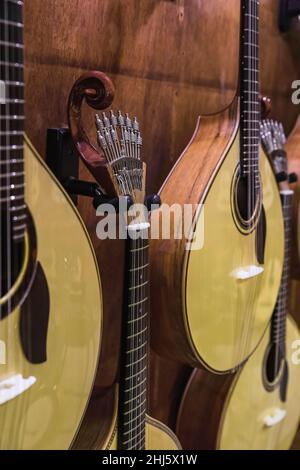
x=120, y=139
x=273, y=139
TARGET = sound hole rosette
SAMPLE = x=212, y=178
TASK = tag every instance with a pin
x=244, y=225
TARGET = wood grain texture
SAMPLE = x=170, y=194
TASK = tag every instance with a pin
x=197, y=165
x=201, y=409
x=293, y=152
x=170, y=62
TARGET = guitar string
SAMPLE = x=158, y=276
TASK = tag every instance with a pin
x=7, y=182
x=251, y=37
x=253, y=160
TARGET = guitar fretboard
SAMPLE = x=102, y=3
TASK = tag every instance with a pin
x=249, y=91
x=133, y=373
x=278, y=325
x=12, y=116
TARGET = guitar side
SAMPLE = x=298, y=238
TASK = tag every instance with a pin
x=52, y=338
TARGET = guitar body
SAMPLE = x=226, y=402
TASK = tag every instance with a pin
x=237, y=408
x=204, y=314
x=242, y=425
x=51, y=338
x=158, y=436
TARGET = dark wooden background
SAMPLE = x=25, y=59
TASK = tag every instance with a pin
x=170, y=61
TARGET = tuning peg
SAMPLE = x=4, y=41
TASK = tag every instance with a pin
x=135, y=125
x=120, y=119
x=113, y=119
x=292, y=178
x=101, y=140
x=128, y=121
x=99, y=123
x=105, y=120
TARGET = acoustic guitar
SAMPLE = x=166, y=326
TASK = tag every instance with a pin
x=259, y=408
x=216, y=285
x=50, y=299
x=131, y=428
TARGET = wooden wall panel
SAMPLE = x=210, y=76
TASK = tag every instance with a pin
x=170, y=61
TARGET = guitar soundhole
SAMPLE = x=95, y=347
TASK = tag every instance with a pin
x=12, y=259
x=273, y=366
x=246, y=202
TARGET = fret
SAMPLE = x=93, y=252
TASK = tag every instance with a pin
x=13, y=174
x=19, y=227
x=137, y=435
x=141, y=440
x=134, y=398
x=13, y=117
x=11, y=147
x=137, y=334
x=138, y=303
x=12, y=198
x=138, y=286
x=138, y=319
x=142, y=382
x=139, y=249
x=19, y=217
x=139, y=267
x=18, y=236
x=12, y=186
x=12, y=64
x=9, y=133
x=134, y=428
x=11, y=23
x=18, y=208
x=252, y=16
x=134, y=409
x=14, y=45
x=252, y=31
x=137, y=361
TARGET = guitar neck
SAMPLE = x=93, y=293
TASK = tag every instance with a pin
x=249, y=90
x=12, y=116
x=134, y=350
x=278, y=324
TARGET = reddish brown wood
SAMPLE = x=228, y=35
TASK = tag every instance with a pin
x=167, y=383
x=98, y=91
x=186, y=184
x=170, y=61
x=97, y=420
x=293, y=152
x=201, y=409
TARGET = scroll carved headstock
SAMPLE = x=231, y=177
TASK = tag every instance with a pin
x=97, y=90
x=121, y=142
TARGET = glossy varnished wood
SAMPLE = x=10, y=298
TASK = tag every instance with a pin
x=201, y=409
x=184, y=185
x=293, y=152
